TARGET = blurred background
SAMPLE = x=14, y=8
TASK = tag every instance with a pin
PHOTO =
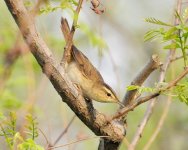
x=114, y=43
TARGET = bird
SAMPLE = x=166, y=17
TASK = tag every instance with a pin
x=82, y=73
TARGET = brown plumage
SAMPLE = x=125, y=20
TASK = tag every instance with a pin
x=81, y=71
x=87, y=69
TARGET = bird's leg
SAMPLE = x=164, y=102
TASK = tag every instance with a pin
x=91, y=108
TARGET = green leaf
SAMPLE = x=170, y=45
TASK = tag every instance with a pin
x=9, y=101
x=145, y=89
x=95, y=39
x=154, y=33
x=74, y=2
x=151, y=35
x=171, y=32
x=2, y=116
x=185, y=14
x=28, y=4
x=9, y=129
x=181, y=90
x=185, y=35
x=170, y=38
x=177, y=15
x=183, y=98
x=180, y=27
x=158, y=22
x=29, y=144
x=140, y=89
x=32, y=129
x=132, y=87
x=171, y=46
x=185, y=28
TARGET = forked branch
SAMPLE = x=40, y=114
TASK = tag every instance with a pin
x=153, y=64
x=141, y=100
x=58, y=78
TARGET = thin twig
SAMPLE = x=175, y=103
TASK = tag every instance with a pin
x=151, y=105
x=69, y=42
x=64, y=131
x=84, y=139
x=45, y=137
x=152, y=65
x=177, y=58
x=56, y=74
x=141, y=100
x=161, y=122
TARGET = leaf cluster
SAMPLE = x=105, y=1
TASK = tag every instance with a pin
x=95, y=39
x=13, y=137
x=31, y=127
x=181, y=92
x=173, y=35
x=9, y=131
x=64, y=4
x=140, y=89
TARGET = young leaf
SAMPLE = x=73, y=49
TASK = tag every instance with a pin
x=151, y=35
x=158, y=22
x=29, y=144
x=171, y=46
x=32, y=129
x=132, y=87
x=177, y=15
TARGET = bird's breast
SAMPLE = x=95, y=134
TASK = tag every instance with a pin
x=77, y=77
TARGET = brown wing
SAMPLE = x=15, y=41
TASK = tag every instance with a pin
x=88, y=70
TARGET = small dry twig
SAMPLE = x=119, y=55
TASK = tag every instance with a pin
x=64, y=131
x=141, y=100
x=152, y=65
x=151, y=105
x=77, y=141
x=159, y=125
x=56, y=74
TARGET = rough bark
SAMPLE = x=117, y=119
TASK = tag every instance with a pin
x=68, y=92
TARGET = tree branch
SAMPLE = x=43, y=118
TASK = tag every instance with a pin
x=69, y=41
x=64, y=131
x=152, y=65
x=69, y=94
x=159, y=125
x=151, y=105
x=141, y=100
x=104, y=143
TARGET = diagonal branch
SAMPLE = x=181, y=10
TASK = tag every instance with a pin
x=64, y=131
x=55, y=73
x=152, y=103
x=160, y=124
x=69, y=38
x=153, y=64
x=104, y=143
x=141, y=100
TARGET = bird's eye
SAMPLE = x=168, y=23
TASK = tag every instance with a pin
x=108, y=94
